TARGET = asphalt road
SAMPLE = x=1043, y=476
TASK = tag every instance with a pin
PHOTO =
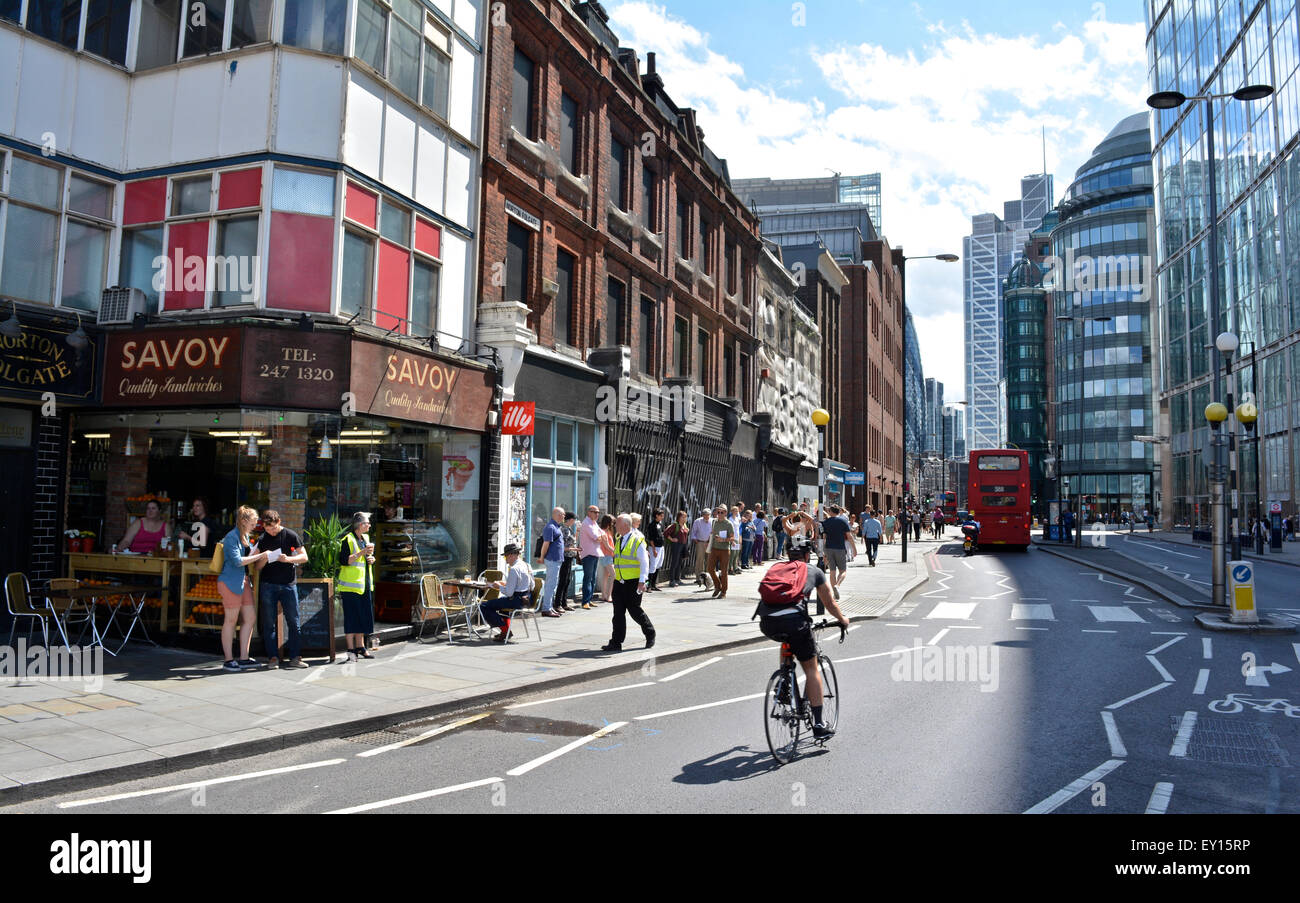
x=1076, y=693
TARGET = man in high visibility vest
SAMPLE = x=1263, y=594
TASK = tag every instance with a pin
x=631, y=570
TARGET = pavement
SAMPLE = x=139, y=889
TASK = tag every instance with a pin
x=165, y=709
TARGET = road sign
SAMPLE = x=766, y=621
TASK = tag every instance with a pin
x=1242, y=592
x=855, y=478
x=1274, y=507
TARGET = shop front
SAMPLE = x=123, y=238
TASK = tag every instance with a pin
x=313, y=424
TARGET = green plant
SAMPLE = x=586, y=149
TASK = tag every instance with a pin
x=324, y=538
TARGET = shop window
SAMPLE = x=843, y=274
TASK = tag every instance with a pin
x=564, y=442
x=565, y=481
x=315, y=24
x=250, y=22
x=542, y=447
x=301, y=247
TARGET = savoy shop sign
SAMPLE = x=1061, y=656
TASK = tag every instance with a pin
x=166, y=367
x=41, y=360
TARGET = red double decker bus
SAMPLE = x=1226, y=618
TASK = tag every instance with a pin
x=999, y=498
x=947, y=502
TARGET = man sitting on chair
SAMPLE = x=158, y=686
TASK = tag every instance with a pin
x=516, y=592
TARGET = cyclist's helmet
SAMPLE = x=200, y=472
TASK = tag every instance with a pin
x=799, y=546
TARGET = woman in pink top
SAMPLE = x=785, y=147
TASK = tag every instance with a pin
x=143, y=536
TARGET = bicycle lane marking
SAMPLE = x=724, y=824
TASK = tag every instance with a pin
x=1065, y=794
x=696, y=708
x=1184, y=738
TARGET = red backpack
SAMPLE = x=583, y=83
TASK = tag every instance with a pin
x=783, y=586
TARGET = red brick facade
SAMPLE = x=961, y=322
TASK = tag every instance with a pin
x=615, y=101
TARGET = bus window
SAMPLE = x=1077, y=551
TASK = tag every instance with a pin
x=999, y=462
x=999, y=501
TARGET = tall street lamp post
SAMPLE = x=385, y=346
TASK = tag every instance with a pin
x=945, y=258
x=820, y=418
x=1172, y=100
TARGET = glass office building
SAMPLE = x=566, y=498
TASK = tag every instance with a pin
x=1100, y=280
x=1199, y=49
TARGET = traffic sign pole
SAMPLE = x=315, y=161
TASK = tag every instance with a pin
x=1241, y=576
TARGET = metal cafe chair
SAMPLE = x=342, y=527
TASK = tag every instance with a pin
x=433, y=607
x=532, y=612
x=18, y=601
x=68, y=610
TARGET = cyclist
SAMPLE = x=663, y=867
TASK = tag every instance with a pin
x=791, y=624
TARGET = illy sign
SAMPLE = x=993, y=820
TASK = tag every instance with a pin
x=518, y=418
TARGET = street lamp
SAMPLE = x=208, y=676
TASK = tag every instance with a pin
x=1171, y=100
x=820, y=418
x=942, y=258
x=1078, y=533
x=1227, y=345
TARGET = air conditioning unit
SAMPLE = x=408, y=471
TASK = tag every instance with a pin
x=120, y=305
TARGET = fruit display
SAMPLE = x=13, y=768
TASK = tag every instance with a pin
x=106, y=601
x=205, y=589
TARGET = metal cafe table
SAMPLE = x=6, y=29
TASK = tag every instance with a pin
x=132, y=567
x=118, y=597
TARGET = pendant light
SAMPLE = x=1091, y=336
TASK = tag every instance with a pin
x=326, y=449
x=187, y=446
x=129, y=451
x=251, y=451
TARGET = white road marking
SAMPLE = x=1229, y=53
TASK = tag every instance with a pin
x=1063, y=796
x=742, y=652
x=1033, y=628
x=1155, y=663
x=968, y=565
x=892, y=624
x=135, y=794
x=1021, y=612
x=1086, y=601
x=956, y=611
x=937, y=637
x=1162, y=648
x=1207, y=648
x=1296, y=647
x=397, y=801
x=1115, y=613
x=859, y=658
x=1101, y=631
x=524, y=705
x=1202, y=681
x=1168, y=633
x=1159, y=801
x=1135, y=697
x=425, y=736
x=1117, y=748
x=568, y=747
x=1157, y=548
x=690, y=669
x=696, y=708
x=1184, y=738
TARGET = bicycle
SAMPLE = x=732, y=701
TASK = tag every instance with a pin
x=785, y=710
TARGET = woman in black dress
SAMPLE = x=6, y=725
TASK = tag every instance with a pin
x=358, y=552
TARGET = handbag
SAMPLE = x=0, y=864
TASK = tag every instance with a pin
x=218, y=559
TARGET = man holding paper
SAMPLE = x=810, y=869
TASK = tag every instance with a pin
x=284, y=551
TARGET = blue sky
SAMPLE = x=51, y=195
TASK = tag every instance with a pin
x=947, y=100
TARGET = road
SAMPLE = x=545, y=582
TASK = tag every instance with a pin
x=1077, y=694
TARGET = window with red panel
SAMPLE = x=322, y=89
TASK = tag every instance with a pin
x=301, y=251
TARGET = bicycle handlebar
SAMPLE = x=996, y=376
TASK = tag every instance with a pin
x=825, y=624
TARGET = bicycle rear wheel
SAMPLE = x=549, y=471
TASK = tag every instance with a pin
x=780, y=719
x=830, y=692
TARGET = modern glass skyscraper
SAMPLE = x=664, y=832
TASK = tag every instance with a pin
x=1101, y=279
x=1196, y=49
x=992, y=247
x=840, y=211
x=933, y=416
x=914, y=425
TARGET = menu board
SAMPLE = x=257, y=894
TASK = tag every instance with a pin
x=316, y=615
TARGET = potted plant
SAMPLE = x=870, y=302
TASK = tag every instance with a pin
x=323, y=538
x=74, y=540
x=87, y=541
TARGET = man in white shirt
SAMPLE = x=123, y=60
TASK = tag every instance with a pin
x=735, y=540
x=516, y=592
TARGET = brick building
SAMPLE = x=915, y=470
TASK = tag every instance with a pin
x=617, y=264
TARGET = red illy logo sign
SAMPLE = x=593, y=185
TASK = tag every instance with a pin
x=518, y=418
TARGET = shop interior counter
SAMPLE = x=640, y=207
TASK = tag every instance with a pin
x=87, y=566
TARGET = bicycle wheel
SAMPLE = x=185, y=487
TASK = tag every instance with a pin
x=830, y=692
x=780, y=720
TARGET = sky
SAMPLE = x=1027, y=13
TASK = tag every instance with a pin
x=947, y=100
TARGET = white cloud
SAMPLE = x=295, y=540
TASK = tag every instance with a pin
x=952, y=125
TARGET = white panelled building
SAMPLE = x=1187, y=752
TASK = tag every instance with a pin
x=331, y=143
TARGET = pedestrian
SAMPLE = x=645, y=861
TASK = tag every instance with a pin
x=654, y=535
x=746, y=539
x=570, y=532
x=678, y=537
x=719, y=561
x=735, y=540
x=872, y=529
x=918, y=524
x=927, y=523
x=589, y=552
x=606, y=557
x=778, y=532
x=515, y=592
x=760, y=537
x=890, y=523
x=838, y=537
x=551, y=556
x=1067, y=520
x=356, y=586
x=277, y=586
x=236, y=590
x=701, y=534
x=938, y=523
x=631, y=570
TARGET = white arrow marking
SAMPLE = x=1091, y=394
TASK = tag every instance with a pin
x=1160, y=649
x=1260, y=677
x=1155, y=663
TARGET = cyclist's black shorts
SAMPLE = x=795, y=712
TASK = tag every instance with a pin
x=792, y=629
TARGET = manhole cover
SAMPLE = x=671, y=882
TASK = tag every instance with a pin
x=1222, y=741
x=378, y=738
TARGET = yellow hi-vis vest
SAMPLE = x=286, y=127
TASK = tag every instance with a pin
x=626, y=566
x=352, y=577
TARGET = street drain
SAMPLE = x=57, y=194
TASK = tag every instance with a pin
x=378, y=738
x=1221, y=741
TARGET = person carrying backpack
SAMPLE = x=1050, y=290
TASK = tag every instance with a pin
x=783, y=617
